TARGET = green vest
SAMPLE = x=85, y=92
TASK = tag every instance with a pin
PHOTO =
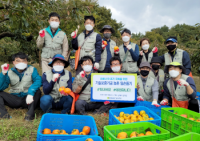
x=88, y=47
x=129, y=65
x=17, y=86
x=150, y=56
x=102, y=63
x=55, y=94
x=160, y=78
x=146, y=92
x=177, y=58
x=180, y=93
x=53, y=45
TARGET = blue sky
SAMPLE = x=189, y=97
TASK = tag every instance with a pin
x=143, y=15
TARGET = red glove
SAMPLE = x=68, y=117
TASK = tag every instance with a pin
x=73, y=34
x=164, y=102
x=104, y=44
x=106, y=102
x=155, y=104
x=162, y=90
x=42, y=33
x=182, y=82
x=139, y=98
x=82, y=74
x=155, y=49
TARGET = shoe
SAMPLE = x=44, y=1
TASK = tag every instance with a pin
x=29, y=118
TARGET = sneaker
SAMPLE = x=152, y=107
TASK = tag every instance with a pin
x=29, y=118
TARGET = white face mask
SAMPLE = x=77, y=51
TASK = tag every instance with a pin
x=87, y=68
x=116, y=69
x=145, y=47
x=173, y=73
x=58, y=68
x=21, y=66
x=88, y=27
x=54, y=25
x=125, y=39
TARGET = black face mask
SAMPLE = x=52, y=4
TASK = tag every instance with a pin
x=107, y=35
x=171, y=47
x=144, y=72
x=155, y=67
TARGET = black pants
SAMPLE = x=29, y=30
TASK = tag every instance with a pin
x=106, y=70
x=124, y=105
x=13, y=101
x=194, y=105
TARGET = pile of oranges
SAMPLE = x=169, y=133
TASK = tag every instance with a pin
x=85, y=131
x=123, y=135
x=64, y=90
x=135, y=117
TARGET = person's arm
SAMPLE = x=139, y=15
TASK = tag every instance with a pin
x=155, y=90
x=69, y=82
x=139, y=60
x=37, y=82
x=135, y=54
x=75, y=86
x=166, y=94
x=4, y=81
x=47, y=87
x=65, y=47
x=98, y=48
x=162, y=58
x=40, y=41
x=191, y=89
x=75, y=43
x=186, y=62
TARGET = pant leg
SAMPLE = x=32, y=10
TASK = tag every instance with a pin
x=80, y=106
x=92, y=106
x=9, y=100
x=45, y=63
x=79, y=69
x=46, y=103
x=194, y=105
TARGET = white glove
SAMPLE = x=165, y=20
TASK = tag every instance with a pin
x=42, y=33
x=104, y=44
x=182, y=82
x=155, y=49
x=164, y=102
x=74, y=33
x=82, y=74
x=129, y=47
x=96, y=66
x=155, y=103
x=55, y=77
x=4, y=68
x=29, y=99
x=140, y=98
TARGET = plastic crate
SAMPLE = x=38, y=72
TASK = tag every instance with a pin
x=66, y=122
x=147, y=104
x=73, y=79
x=198, y=95
x=187, y=137
x=95, y=138
x=113, y=120
x=159, y=134
x=171, y=120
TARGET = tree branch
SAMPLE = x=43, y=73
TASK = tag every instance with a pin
x=6, y=34
x=4, y=20
x=2, y=7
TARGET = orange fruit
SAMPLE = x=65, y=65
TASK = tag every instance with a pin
x=67, y=90
x=149, y=133
x=104, y=42
x=46, y=131
x=75, y=132
x=122, y=135
x=89, y=139
x=56, y=131
x=141, y=134
x=63, y=132
x=61, y=89
x=82, y=133
x=133, y=134
x=116, y=48
x=86, y=130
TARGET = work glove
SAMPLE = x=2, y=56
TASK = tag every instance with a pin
x=42, y=33
x=104, y=44
x=162, y=90
x=74, y=33
x=164, y=102
x=140, y=98
x=182, y=82
x=129, y=47
x=55, y=77
x=96, y=66
x=106, y=102
x=155, y=103
x=116, y=50
x=29, y=99
x=155, y=49
x=82, y=74
x=4, y=68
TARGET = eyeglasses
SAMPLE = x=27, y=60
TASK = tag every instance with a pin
x=116, y=64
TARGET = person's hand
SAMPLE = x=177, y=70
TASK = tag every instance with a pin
x=116, y=50
x=155, y=103
x=55, y=77
x=141, y=53
x=129, y=47
x=155, y=49
x=78, y=89
x=82, y=74
x=29, y=99
x=138, y=87
x=164, y=102
x=106, y=102
x=140, y=98
x=96, y=66
x=73, y=34
x=42, y=33
x=182, y=82
x=4, y=68
x=162, y=90
x=104, y=44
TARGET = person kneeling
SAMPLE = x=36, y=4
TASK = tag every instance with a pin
x=24, y=83
x=82, y=86
x=54, y=79
x=179, y=89
x=147, y=88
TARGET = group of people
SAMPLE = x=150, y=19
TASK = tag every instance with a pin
x=172, y=86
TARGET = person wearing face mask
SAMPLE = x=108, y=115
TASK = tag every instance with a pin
x=108, y=50
x=147, y=87
x=89, y=42
x=82, y=87
x=158, y=74
x=146, y=55
x=176, y=55
x=179, y=89
x=53, y=41
x=54, y=79
x=129, y=53
x=24, y=83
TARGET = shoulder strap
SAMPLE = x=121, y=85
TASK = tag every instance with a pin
x=172, y=86
x=86, y=39
x=86, y=84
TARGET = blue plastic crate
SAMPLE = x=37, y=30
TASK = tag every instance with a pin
x=147, y=104
x=198, y=95
x=95, y=138
x=73, y=79
x=113, y=120
x=66, y=122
